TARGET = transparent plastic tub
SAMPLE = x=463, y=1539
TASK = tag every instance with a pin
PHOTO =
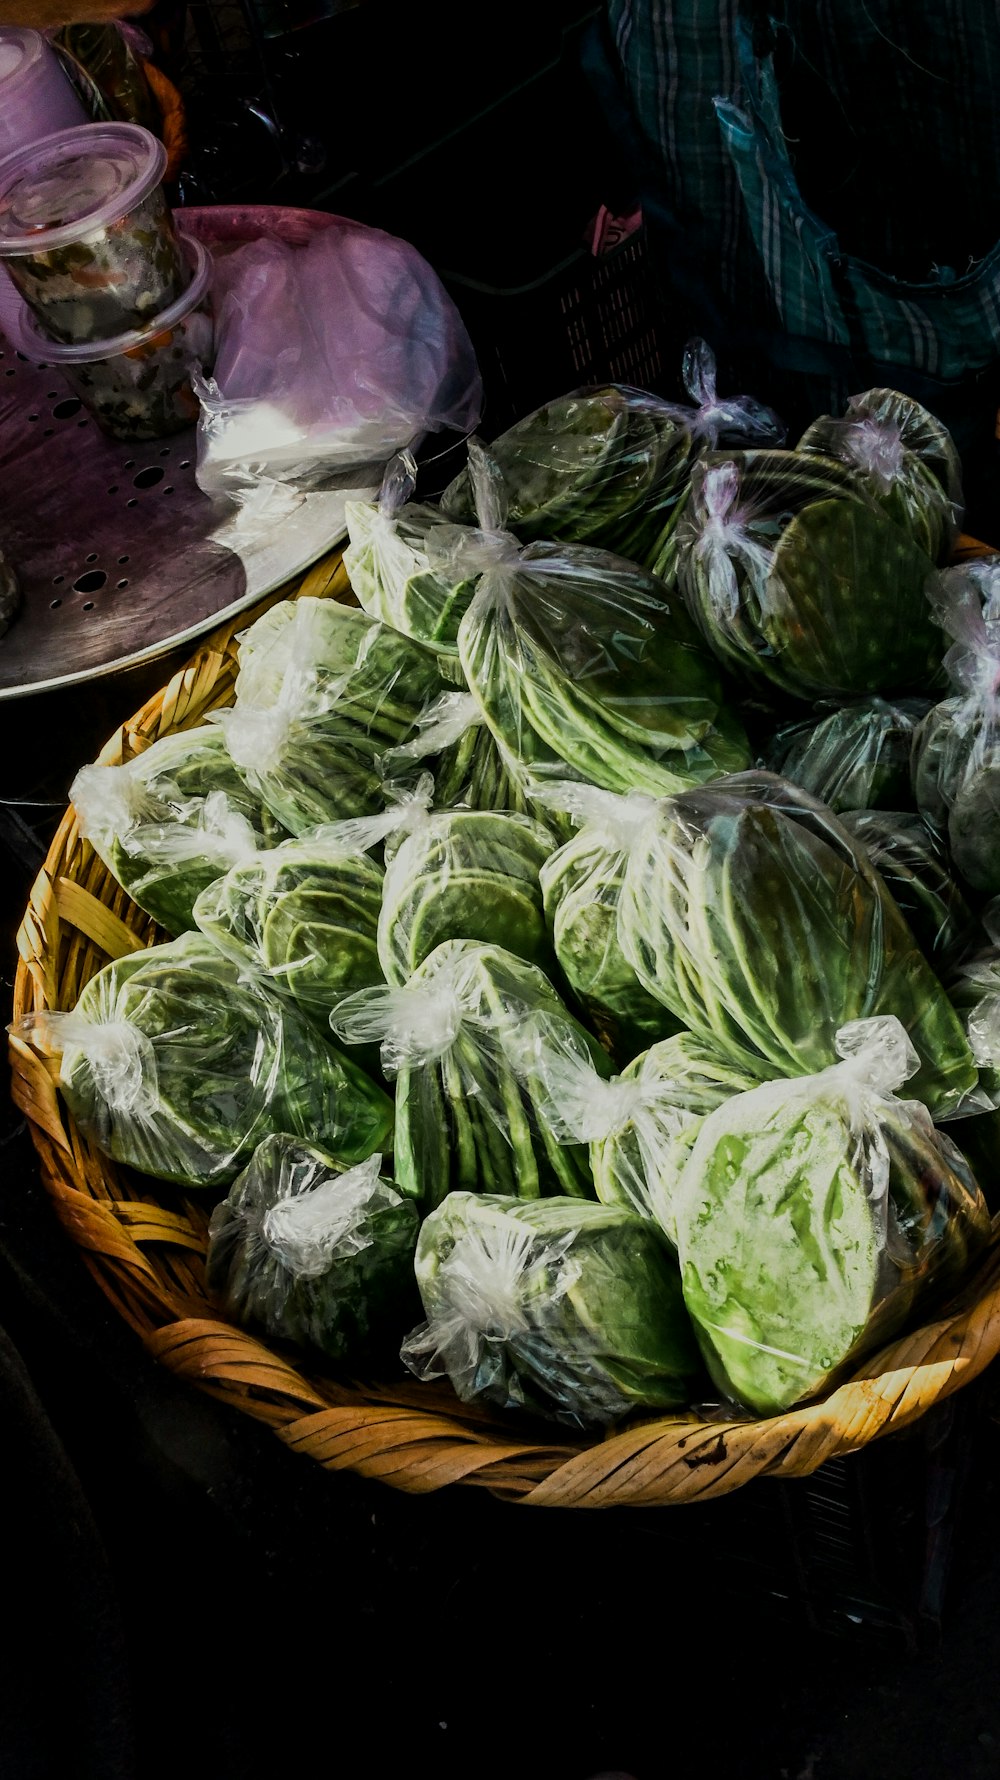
x=138, y=385
x=36, y=98
x=85, y=232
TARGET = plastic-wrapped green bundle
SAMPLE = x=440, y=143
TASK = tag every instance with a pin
x=393, y=567
x=470, y=771
x=640, y=1125
x=557, y=1307
x=464, y=874
x=609, y=466
x=581, y=884
x=313, y=1253
x=795, y=575
x=306, y=913
x=177, y=1063
x=856, y=758
x=586, y=668
x=907, y=458
x=956, y=750
x=170, y=821
x=465, y=1120
x=323, y=693
x=812, y=1216
x=915, y=869
x=974, y=987
x=749, y=910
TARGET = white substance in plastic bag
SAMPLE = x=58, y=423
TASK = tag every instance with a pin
x=329, y=357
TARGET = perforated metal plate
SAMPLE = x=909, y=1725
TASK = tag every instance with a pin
x=120, y=556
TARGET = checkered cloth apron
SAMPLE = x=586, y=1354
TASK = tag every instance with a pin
x=848, y=289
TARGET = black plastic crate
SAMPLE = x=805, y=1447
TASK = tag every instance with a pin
x=587, y=320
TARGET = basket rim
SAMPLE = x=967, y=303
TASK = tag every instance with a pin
x=145, y=1249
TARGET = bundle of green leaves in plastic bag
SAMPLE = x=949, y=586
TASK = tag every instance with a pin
x=322, y=693
x=609, y=466
x=306, y=913
x=813, y=1215
x=856, y=758
x=956, y=750
x=557, y=1307
x=465, y=874
x=465, y=1121
x=178, y=1063
x=907, y=458
x=797, y=577
x=751, y=913
x=470, y=769
x=170, y=821
x=919, y=876
x=313, y=1253
x=585, y=667
x=640, y=1125
x=581, y=885
x=393, y=567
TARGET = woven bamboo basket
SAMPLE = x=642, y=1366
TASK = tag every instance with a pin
x=145, y=1245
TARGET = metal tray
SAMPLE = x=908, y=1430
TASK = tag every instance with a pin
x=120, y=556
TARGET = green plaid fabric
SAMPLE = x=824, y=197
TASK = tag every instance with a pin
x=825, y=175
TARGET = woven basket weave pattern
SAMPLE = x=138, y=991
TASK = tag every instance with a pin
x=146, y=1245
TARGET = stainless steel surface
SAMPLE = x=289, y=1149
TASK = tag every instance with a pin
x=119, y=554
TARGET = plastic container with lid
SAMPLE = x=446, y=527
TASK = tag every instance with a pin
x=36, y=97
x=85, y=231
x=139, y=385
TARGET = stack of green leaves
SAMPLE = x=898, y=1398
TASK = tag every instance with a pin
x=393, y=567
x=178, y=1063
x=581, y=885
x=470, y=771
x=586, y=668
x=956, y=750
x=322, y=693
x=798, y=578
x=464, y=874
x=813, y=1215
x=557, y=1307
x=907, y=458
x=916, y=870
x=751, y=913
x=856, y=758
x=465, y=1120
x=170, y=821
x=304, y=914
x=312, y=1253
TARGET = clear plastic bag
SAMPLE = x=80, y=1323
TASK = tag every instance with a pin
x=322, y=693
x=471, y=770
x=813, y=1215
x=329, y=358
x=639, y=1125
x=305, y=914
x=608, y=466
x=856, y=758
x=581, y=885
x=177, y=1063
x=464, y=1119
x=751, y=913
x=916, y=870
x=781, y=553
x=557, y=1307
x=465, y=874
x=170, y=821
x=974, y=987
x=313, y=1253
x=907, y=457
x=392, y=565
x=956, y=750
x=584, y=666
